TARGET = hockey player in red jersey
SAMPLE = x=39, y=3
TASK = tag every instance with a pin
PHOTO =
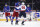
x=7, y=12
x=15, y=13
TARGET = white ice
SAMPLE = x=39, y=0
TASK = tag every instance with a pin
x=27, y=24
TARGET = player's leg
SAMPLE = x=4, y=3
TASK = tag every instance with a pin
x=20, y=14
x=29, y=14
x=12, y=18
x=30, y=18
x=16, y=21
x=9, y=16
x=16, y=18
x=24, y=19
x=6, y=17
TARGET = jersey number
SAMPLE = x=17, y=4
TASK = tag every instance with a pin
x=23, y=7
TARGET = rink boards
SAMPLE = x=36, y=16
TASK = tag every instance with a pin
x=2, y=16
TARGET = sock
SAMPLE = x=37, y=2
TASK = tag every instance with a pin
x=6, y=18
x=12, y=19
x=16, y=19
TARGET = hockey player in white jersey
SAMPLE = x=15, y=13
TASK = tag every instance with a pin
x=22, y=11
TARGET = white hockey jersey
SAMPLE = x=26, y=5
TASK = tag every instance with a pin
x=22, y=7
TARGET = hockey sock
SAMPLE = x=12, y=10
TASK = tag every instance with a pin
x=6, y=18
x=16, y=20
x=10, y=17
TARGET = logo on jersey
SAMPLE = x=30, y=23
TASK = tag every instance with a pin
x=36, y=15
x=23, y=7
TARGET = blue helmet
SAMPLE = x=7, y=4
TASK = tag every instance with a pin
x=17, y=4
x=5, y=4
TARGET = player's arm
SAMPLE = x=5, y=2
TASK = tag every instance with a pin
x=26, y=10
x=30, y=9
x=19, y=8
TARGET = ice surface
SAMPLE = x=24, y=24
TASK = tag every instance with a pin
x=27, y=24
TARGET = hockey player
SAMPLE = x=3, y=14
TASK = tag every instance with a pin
x=7, y=12
x=22, y=12
x=28, y=10
x=15, y=13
